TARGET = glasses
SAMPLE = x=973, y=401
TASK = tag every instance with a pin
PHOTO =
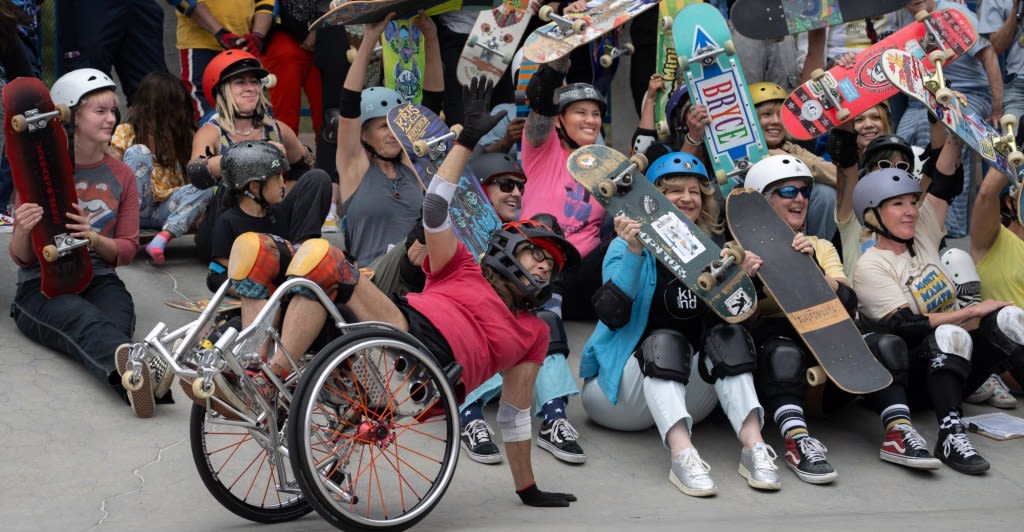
x=790, y=192
x=506, y=185
x=899, y=165
x=540, y=255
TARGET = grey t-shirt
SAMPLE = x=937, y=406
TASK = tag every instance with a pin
x=993, y=13
x=375, y=218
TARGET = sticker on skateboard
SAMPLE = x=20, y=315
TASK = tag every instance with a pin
x=565, y=33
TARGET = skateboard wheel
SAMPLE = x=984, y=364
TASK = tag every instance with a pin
x=64, y=112
x=456, y=129
x=606, y=61
x=18, y=123
x=944, y=95
x=94, y=239
x=817, y=73
x=201, y=391
x=737, y=251
x=1008, y=121
x=920, y=15
x=50, y=253
x=936, y=56
x=545, y=13
x=661, y=128
x=628, y=48
x=666, y=23
x=1016, y=158
x=472, y=41
x=640, y=160
x=607, y=188
x=128, y=381
x=350, y=54
x=816, y=376
x=270, y=81
x=730, y=47
x=579, y=26
x=706, y=281
x=843, y=114
x=420, y=148
x=721, y=177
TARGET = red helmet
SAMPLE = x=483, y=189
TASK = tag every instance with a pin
x=226, y=64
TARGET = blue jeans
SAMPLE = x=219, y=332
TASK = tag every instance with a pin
x=821, y=212
x=1013, y=97
x=176, y=214
x=554, y=380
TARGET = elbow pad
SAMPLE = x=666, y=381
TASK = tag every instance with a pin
x=945, y=186
x=913, y=328
x=643, y=139
x=351, y=103
x=435, y=205
x=541, y=90
x=848, y=298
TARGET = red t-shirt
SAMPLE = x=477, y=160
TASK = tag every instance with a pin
x=485, y=337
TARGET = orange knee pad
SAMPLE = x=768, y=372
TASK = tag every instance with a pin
x=320, y=262
x=254, y=267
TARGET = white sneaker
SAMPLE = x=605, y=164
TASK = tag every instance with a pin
x=331, y=224
x=692, y=475
x=1001, y=396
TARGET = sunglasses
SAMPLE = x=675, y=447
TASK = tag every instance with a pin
x=790, y=192
x=506, y=185
x=899, y=165
x=540, y=255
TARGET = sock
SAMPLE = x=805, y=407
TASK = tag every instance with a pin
x=790, y=419
x=155, y=248
x=472, y=412
x=951, y=422
x=895, y=415
x=553, y=410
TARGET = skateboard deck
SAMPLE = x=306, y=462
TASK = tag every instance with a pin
x=667, y=63
x=374, y=71
x=426, y=141
x=227, y=304
x=344, y=12
x=565, y=33
x=799, y=287
x=37, y=149
x=907, y=73
x=773, y=19
x=604, y=59
x=836, y=96
x=404, y=59
x=618, y=184
x=714, y=78
x=493, y=40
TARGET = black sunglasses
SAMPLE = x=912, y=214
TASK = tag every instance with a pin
x=790, y=192
x=506, y=185
x=540, y=255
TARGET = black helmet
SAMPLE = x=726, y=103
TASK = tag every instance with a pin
x=890, y=142
x=578, y=92
x=501, y=254
x=249, y=161
x=489, y=166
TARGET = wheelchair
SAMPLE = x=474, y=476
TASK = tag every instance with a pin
x=365, y=431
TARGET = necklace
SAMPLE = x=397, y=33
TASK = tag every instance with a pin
x=246, y=133
x=394, y=185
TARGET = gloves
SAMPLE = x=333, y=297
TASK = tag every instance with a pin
x=842, y=147
x=229, y=40
x=531, y=496
x=255, y=43
x=476, y=102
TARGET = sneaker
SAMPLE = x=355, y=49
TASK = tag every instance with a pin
x=806, y=457
x=163, y=377
x=477, y=442
x=141, y=400
x=758, y=466
x=904, y=446
x=956, y=451
x=691, y=474
x=1001, y=396
x=331, y=224
x=983, y=392
x=559, y=439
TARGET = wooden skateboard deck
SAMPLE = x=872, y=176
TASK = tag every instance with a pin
x=667, y=61
x=618, y=184
x=493, y=40
x=473, y=217
x=714, y=77
x=368, y=11
x=404, y=59
x=836, y=96
x=773, y=19
x=37, y=148
x=564, y=34
x=797, y=284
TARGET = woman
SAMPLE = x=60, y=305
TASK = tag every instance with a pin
x=786, y=182
x=900, y=282
x=642, y=373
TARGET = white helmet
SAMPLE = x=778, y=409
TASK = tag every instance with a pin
x=70, y=88
x=774, y=169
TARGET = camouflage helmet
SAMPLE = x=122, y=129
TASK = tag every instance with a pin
x=254, y=160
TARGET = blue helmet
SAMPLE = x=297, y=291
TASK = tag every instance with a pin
x=676, y=163
x=376, y=102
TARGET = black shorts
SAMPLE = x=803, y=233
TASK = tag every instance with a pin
x=424, y=331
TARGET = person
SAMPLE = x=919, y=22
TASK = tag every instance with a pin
x=156, y=142
x=289, y=56
x=900, y=283
x=94, y=326
x=785, y=181
x=999, y=23
x=233, y=83
x=643, y=372
x=474, y=315
x=15, y=61
x=504, y=181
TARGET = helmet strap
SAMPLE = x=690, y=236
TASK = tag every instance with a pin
x=393, y=160
x=884, y=231
x=573, y=145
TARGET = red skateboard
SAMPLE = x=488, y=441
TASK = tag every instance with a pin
x=37, y=148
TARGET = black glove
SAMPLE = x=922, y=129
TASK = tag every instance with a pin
x=228, y=40
x=531, y=496
x=476, y=105
x=842, y=147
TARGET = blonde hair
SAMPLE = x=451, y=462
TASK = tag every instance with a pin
x=710, y=218
x=88, y=98
x=226, y=108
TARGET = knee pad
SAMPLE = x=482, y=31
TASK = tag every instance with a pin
x=558, y=340
x=325, y=265
x=730, y=351
x=1004, y=331
x=513, y=422
x=665, y=354
x=892, y=352
x=782, y=369
x=950, y=351
x=960, y=268
x=254, y=267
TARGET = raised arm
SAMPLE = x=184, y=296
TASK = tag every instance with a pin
x=985, y=218
x=541, y=93
x=433, y=76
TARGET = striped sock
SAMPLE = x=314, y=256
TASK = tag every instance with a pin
x=155, y=248
x=790, y=419
x=895, y=415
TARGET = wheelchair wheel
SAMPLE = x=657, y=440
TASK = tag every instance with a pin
x=239, y=472
x=373, y=432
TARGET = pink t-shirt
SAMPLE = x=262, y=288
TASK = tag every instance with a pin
x=485, y=337
x=550, y=188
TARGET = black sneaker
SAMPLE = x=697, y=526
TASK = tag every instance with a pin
x=477, y=442
x=956, y=451
x=806, y=457
x=559, y=439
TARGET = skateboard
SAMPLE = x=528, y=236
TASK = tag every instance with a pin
x=796, y=282
x=604, y=59
x=493, y=40
x=667, y=62
x=907, y=73
x=374, y=69
x=426, y=141
x=404, y=59
x=37, y=149
x=622, y=189
x=343, y=12
x=227, y=304
x=831, y=98
x=774, y=19
x=714, y=78
x=524, y=70
x=565, y=33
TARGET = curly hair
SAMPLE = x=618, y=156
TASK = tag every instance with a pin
x=161, y=117
x=710, y=218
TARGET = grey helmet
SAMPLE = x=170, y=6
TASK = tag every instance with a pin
x=578, y=92
x=878, y=186
x=254, y=160
x=489, y=166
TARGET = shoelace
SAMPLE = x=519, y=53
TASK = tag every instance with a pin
x=695, y=466
x=562, y=431
x=812, y=449
x=911, y=437
x=478, y=431
x=764, y=457
x=960, y=443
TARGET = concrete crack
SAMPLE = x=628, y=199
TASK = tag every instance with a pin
x=142, y=481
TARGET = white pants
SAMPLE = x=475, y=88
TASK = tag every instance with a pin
x=644, y=401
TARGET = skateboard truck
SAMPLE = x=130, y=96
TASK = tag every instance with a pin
x=614, y=52
x=566, y=26
x=435, y=148
x=33, y=120
x=707, y=54
x=936, y=81
x=608, y=187
x=826, y=86
x=491, y=47
x=63, y=244
x=707, y=280
x=1007, y=143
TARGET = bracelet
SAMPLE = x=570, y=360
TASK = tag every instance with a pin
x=692, y=142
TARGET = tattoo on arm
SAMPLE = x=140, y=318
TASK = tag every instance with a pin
x=538, y=127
